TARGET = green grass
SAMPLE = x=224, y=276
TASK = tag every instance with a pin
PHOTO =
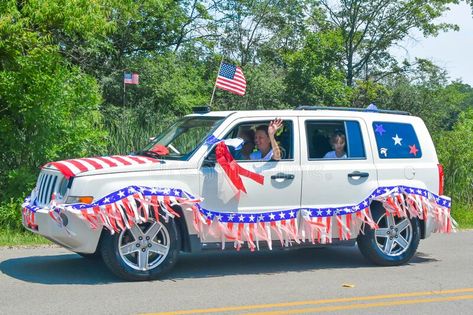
x=463, y=214
x=10, y=237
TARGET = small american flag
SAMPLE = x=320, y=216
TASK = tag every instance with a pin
x=230, y=78
x=130, y=78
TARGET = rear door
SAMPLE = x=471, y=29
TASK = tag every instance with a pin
x=335, y=182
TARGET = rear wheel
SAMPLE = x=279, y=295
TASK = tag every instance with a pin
x=393, y=243
x=143, y=252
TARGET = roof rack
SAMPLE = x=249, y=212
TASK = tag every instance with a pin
x=353, y=109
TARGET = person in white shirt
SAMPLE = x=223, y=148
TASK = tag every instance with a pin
x=338, y=142
x=268, y=148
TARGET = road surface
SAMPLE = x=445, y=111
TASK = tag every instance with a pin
x=438, y=280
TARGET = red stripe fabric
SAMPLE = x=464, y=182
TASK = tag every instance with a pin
x=66, y=171
x=119, y=159
x=70, y=168
x=134, y=158
x=93, y=163
x=107, y=161
x=79, y=165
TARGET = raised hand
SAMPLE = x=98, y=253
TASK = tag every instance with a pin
x=274, y=126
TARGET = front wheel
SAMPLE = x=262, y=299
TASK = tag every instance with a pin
x=144, y=252
x=393, y=243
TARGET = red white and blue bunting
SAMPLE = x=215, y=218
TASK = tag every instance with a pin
x=119, y=210
x=137, y=204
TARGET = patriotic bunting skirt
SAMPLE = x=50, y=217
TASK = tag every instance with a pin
x=138, y=204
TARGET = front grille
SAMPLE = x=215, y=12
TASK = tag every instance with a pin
x=46, y=186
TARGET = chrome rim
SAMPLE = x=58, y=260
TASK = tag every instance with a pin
x=144, y=246
x=394, y=235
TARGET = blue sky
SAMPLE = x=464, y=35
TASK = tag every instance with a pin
x=452, y=51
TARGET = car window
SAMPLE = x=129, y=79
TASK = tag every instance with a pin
x=396, y=140
x=248, y=131
x=334, y=139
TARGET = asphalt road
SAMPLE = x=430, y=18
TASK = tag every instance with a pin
x=438, y=280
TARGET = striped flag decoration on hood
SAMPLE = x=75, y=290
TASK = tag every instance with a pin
x=73, y=167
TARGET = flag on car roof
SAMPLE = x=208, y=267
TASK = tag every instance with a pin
x=230, y=78
x=130, y=78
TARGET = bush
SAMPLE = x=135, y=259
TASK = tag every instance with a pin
x=10, y=214
x=455, y=151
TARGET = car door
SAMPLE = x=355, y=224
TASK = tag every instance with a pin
x=328, y=181
x=282, y=179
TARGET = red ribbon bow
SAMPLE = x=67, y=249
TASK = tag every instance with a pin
x=232, y=169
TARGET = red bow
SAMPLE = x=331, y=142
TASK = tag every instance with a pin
x=232, y=169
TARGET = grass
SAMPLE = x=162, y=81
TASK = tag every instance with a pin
x=10, y=237
x=463, y=214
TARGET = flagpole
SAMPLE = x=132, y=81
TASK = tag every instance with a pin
x=215, y=84
x=124, y=90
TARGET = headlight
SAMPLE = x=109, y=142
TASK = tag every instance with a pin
x=80, y=199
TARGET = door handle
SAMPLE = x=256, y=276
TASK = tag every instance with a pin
x=282, y=176
x=358, y=174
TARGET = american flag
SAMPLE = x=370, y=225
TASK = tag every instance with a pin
x=73, y=167
x=230, y=78
x=130, y=78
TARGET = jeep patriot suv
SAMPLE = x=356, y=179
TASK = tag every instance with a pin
x=345, y=176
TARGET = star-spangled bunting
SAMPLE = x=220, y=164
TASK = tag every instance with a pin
x=137, y=204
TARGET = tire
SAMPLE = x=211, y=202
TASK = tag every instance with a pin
x=394, y=243
x=144, y=252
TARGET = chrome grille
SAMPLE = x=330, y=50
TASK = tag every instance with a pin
x=46, y=186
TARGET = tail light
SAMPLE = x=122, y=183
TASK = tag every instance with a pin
x=441, y=179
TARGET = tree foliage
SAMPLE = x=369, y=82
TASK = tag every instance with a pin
x=370, y=28
x=49, y=108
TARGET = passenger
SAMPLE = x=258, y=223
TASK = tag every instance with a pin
x=338, y=142
x=248, y=136
x=268, y=148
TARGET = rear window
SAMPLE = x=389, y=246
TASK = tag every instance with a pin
x=396, y=140
x=324, y=136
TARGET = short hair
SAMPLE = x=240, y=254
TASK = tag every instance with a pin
x=336, y=136
x=263, y=128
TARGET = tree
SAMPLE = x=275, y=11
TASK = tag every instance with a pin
x=250, y=28
x=370, y=28
x=315, y=75
x=424, y=90
x=49, y=108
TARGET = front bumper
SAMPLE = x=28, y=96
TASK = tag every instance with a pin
x=74, y=234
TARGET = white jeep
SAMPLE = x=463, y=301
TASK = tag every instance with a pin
x=181, y=194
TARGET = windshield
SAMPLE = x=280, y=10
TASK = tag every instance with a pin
x=180, y=140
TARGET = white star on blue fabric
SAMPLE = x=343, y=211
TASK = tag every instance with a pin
x=397, y=140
